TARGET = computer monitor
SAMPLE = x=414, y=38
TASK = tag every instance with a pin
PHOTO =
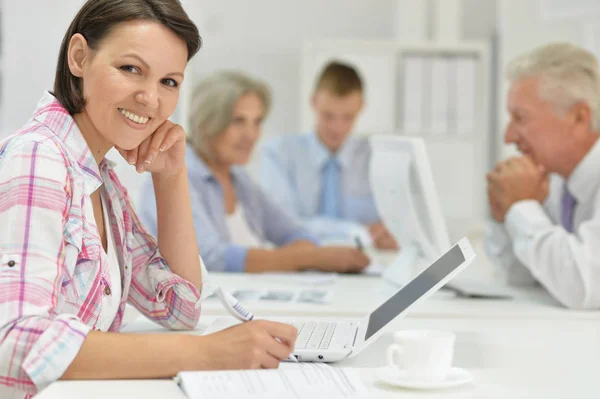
x=407, y=201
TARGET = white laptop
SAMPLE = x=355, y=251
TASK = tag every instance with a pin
x=323, y=341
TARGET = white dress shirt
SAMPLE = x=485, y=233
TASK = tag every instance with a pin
x=240, y=231
x=291, y=172
x=532, y=246
x=110, y=303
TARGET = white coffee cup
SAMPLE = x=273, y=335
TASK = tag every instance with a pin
x=423, y=355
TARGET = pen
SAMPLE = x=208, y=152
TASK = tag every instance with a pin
x=359, y=244
x=235, y=308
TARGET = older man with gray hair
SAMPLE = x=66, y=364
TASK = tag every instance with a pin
x=546, y=203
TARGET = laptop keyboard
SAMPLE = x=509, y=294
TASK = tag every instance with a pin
x=314, y=335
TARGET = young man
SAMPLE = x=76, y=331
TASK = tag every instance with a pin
x=546, y=204
x=323, y=177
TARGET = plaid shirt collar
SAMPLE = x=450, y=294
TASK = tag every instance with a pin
x=50, y=112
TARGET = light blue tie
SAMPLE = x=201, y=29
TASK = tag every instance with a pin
x=330, y=189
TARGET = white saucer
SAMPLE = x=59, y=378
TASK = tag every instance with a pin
x=396, y=377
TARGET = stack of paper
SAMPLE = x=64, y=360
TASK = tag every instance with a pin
x=305, y=380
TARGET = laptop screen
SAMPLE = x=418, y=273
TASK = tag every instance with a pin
x=415, y=289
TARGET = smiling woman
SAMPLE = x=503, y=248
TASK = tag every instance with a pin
x=72, y=249
x=131, y=84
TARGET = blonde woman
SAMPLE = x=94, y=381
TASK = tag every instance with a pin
x=233, y=218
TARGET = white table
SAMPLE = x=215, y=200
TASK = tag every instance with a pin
x=358, y=295
x=524, y=348
x=489, y=383
x=480, y=343
x=508, y=358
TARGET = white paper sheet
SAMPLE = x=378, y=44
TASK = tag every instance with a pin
x=306, y=295
x=305, y=380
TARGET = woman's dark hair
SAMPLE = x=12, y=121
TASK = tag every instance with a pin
x=96, y=20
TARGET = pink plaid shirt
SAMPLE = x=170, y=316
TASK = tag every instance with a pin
x=53, y=270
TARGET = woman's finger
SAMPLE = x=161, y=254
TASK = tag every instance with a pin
x=173, y=136
x=132, y=156
x=267, y=361
x=156, y=142
x=142, y=149
x=284, y=334
x=278, y=350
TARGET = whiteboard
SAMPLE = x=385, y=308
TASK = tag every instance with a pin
x=377, y=71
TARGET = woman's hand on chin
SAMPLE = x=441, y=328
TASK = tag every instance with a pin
x=162, y=153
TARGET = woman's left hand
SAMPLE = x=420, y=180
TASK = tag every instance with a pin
x=162, y=153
